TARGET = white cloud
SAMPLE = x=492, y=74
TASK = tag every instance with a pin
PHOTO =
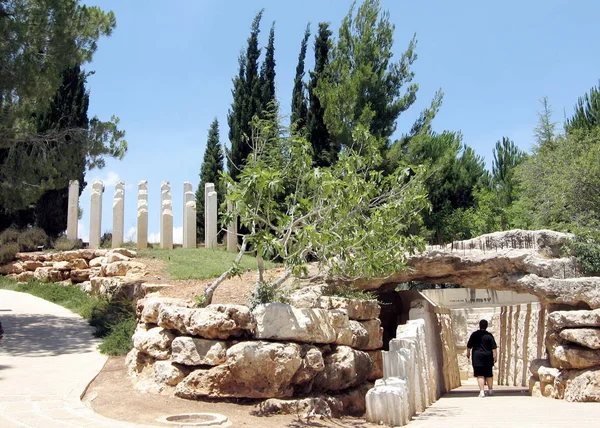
x=154, y=238
x=110, y=179
x=131, y=235
x=82, y=232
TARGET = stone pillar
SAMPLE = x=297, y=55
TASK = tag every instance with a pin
x=96, y=214
x=73, y=210
x=232, y=240
x=210, y=216
x=166, y=216
x=142, y=215
x=118, y=231
x=189, y=239
x=188, y=196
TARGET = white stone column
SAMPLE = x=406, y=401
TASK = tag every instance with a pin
x=189, y=240
x=210, y=216
x=73, y=210
x=118, y=231
x=232, y=240
x=188, y=196
x=96, y=214
x=166, y=216
x=142, y=215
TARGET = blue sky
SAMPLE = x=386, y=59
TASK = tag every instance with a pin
x=166, y=73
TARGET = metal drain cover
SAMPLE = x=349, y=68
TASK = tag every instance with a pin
x=196, y=420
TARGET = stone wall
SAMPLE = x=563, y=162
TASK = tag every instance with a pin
x=419, y=367
x=275, y=351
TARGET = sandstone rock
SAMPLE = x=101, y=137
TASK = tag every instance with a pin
x=136, y=362
x=99, y=253
x=375, y=334
x=583, y=385
x=25, y=276
x=312, y=364
x=252, y=370
x=117, y=268
x=196, y=352
x=124, y=252
x=581, y=318
x=32, y=265
x=155, y=342
x=536, y=364
x=377, y=367
x=353, y=400
x=116, y=257
x=344, y=368
x=172, y=317
x=46, y=274
x=78, y=264
x=284, y=322
x=355, y=335
x=147, y=309
x=573, y=357
x=167, y=374
x=547, y=374
x=308, y=297
x=61, y=265
x=36, y=257
x=98, y=262
x=321, y=406
x=63, y=256
x=360, y=310
x=80, y=275
x=220, y=321
x=534, y=387
x=588, y=337
x=106, y=287
x=15, y=267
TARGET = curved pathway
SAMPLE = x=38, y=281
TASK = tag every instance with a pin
x=47, y=358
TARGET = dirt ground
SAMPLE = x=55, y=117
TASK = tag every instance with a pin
x=113, y=395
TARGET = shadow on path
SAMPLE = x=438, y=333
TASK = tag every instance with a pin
x=44, y=335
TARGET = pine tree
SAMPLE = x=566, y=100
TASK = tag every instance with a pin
x=325, y=150
x=267, y=73
x=587, y=111
x=67, y=111
x=212, y=166
x=299, y=106
x=247, y=96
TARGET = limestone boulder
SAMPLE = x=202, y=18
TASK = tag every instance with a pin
x=172, y=317
x=278, y=321
x=80, y=275
x=61, y=265
x=98, y=262
x=375, y=331
x=105, y=287
x=32, y=265
x=138, y=362
x=252, y=370
x=377, y=367
x=355, y=336
x=112, y=257
x=124, y=252
x=312, y=364
x=308, y=297
x=167, y=374
x=25, y=276
x=155, y=342
x=147, y=309
x=582, y=385
x=581, y=318
x=63, y=256
x=120, y=268
x=86, y=287
x=220, y=321
x=322, y=406
x=12, y=268
x=37, y=257
x=46, y=274
x=353, y=399
x=536, y=364
x=195, y=352
x=360, y=310
x=573, y=357
x=78, y=264
x=587, y=337
x=344, y=368
x=548, y=374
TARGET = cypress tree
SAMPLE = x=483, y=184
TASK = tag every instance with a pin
x=325, y=151
x=67, y=111
x=267, y=72
x=247, y=93
x=212, y=166
x=299, y=106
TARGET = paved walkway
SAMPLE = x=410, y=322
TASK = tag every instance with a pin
x=509, y=407
x=47, y=358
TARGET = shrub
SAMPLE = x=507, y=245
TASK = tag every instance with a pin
x=8, y=252
x=64, y=244
x=266, y=292
x=585, y=247
x=107, y=314
x=9, y=235
x=349, y=292
x=31, y=239
x=118, y=341
x=106, y=240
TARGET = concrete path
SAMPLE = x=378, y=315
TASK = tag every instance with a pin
x=48, y=357
x=509, y=407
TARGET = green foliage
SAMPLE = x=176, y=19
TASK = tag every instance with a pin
x=266, y=292
x=212, y=167
x=106, y=314
x=198, y=263
x=64, y=244
x=8, y=252
x=349, y=292
x=325, y=150
x=200, y=301
x=585, y=247
x=587, y=111
x=9, y=235
x=31, y=239
x=364, y=86
x=106, y=240
x=351, y=218
x=267, y=72
x=118, y=341
x=299, y=106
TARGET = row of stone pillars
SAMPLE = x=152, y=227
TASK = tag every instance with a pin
x=166, y=216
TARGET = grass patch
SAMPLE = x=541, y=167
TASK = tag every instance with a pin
x=198, y=263
x=113, y=321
